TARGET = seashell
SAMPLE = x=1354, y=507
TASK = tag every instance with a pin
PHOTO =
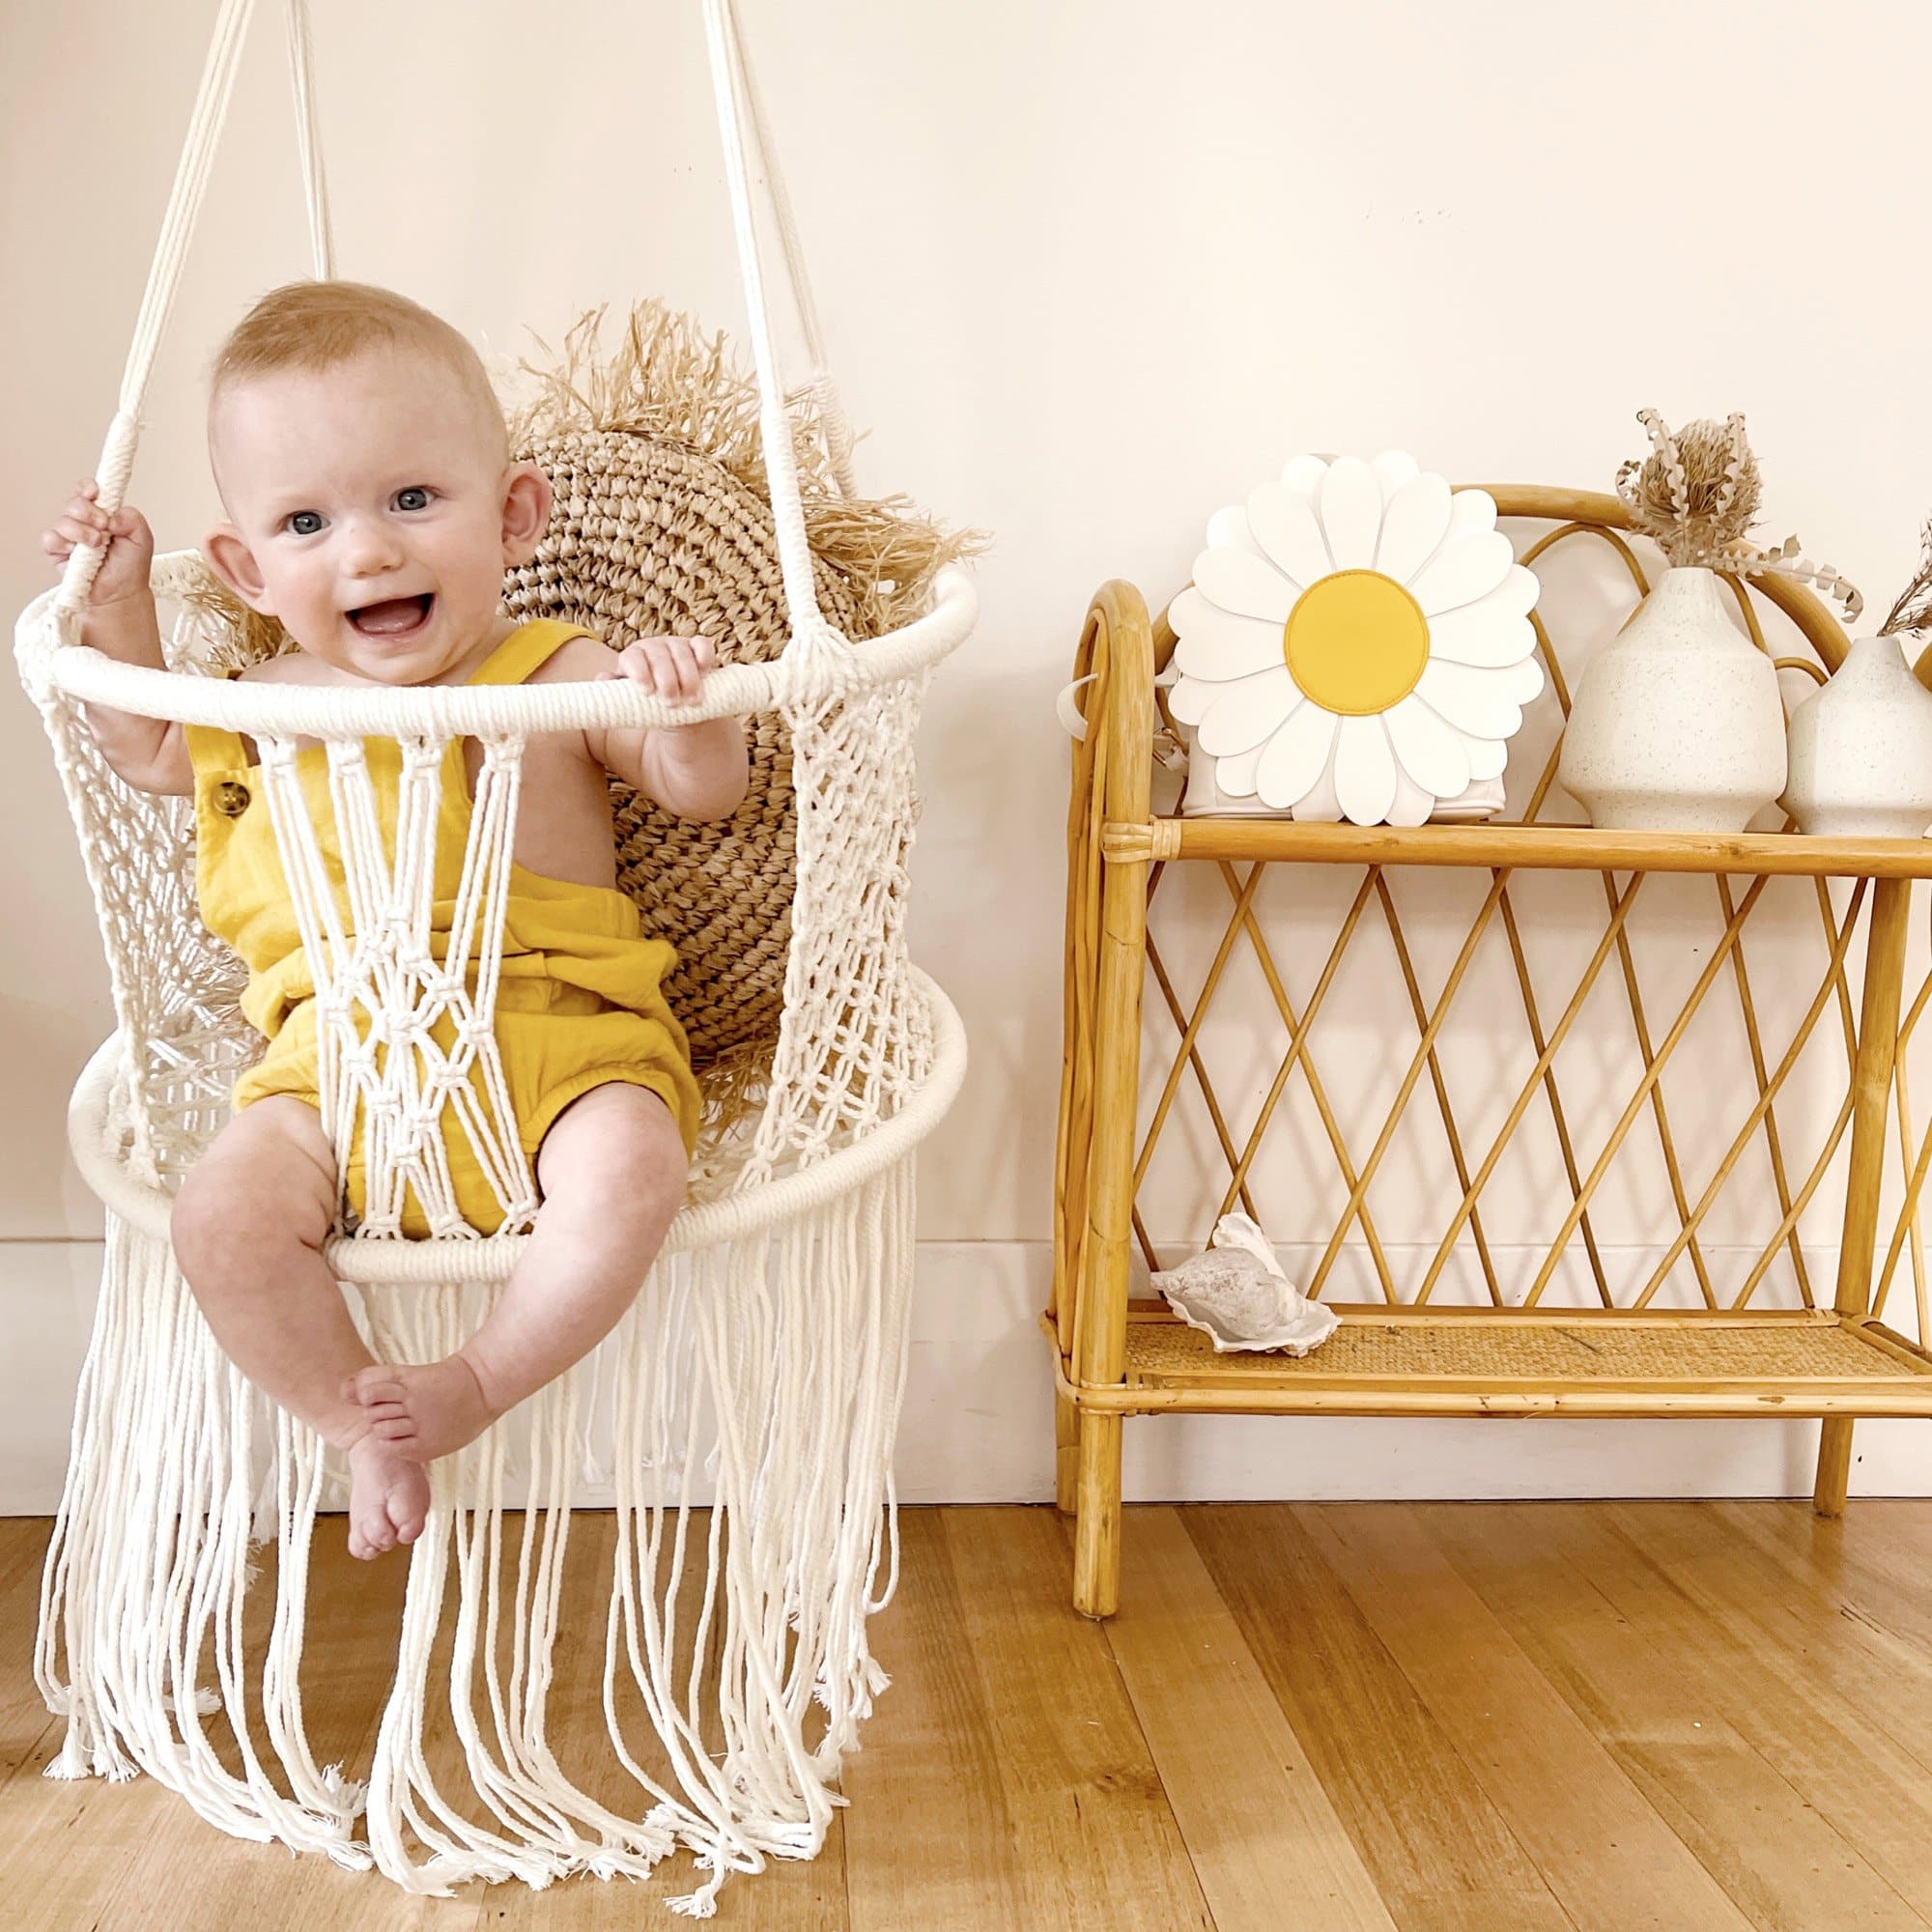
x=1237, y=1296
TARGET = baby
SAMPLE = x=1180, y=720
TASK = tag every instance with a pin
x=362, y=459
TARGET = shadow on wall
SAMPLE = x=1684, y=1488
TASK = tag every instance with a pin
x=47, y=1047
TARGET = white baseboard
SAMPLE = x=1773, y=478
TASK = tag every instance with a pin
x=977, y=1422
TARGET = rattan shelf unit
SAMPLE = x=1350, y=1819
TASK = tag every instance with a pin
x=1827, y=1354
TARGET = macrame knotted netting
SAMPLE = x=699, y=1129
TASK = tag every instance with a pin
x=744, y=1410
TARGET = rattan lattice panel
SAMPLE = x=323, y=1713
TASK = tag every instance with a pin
x=1652, y=1085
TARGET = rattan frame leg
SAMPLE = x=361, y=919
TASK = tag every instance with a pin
x=1100, y=1346
x=1871, y=1094
x=1101, y=1313
x=1065, y=1454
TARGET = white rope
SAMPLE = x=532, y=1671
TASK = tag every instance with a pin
x=308, y=137
x=838, y=427
x=813, y=638
x=116, y=454
x=286, y=710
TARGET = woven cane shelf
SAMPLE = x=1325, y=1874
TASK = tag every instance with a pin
x=1688, y=1199
x=1474, y=1362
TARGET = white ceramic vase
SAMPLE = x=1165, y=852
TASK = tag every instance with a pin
x=1677, y=723
x=1861, y=749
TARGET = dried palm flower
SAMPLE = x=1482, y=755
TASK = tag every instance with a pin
x=1914, y=610
x=1697, y=494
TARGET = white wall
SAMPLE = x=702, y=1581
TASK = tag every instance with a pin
x=1088, y=270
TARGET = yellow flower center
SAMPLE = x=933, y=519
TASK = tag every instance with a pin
x=1356, y=642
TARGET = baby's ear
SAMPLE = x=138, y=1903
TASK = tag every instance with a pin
x=231, y=559
x=526, y=502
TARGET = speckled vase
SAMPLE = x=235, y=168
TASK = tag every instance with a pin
x=1861, y=749
x=1677, y=725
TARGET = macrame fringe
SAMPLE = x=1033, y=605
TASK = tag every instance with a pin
x=775, y=1363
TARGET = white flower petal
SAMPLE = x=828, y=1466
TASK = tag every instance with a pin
x=1494, y=629
x=1248, y=585
x=1214, y=644
x=1228, y=530
x=1462, y=569
x=1413, y=525
x=1303, y=475
x=1188, y=700
x=1364, y=770
x=1319, y=802
x=1428, y=748
x=1412, y=805
x=1235, y=776
x=1487, y=758
x=1295, y=757
x=1393, y=469
x=1247, y=712
x=1486, y=644
x=1352, y=513
x=1474, y=701
x=1284, y=524
x=1522, y=680
x=1471, y=511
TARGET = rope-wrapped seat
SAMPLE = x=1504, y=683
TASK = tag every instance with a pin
x=761, y=1368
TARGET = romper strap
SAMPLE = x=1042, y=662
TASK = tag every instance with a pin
x=210, y=749
x=526, y=649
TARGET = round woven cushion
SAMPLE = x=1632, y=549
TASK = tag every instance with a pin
x=651, y=538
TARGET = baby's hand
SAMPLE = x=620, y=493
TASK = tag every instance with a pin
x=672, y=667
x=130, y=544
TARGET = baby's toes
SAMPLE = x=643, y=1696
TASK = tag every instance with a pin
x=376, y=1383
x=407, y=1505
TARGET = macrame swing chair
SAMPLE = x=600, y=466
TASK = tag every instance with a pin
x=761, y=1368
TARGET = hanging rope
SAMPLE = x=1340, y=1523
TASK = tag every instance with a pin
x=308, y=137
x=811, y=637
x=838, y=436
x=157, y=298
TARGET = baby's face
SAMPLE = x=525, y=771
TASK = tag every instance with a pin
x=373, y=513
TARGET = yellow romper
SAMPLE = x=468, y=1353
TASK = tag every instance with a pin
x=578, y=1002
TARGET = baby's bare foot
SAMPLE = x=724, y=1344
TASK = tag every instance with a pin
x=422, y=1410
x=388, y=1496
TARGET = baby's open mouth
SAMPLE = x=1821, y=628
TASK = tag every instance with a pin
x=394, y=617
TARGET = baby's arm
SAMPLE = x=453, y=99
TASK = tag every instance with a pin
x=120, y=621
x=696, y=771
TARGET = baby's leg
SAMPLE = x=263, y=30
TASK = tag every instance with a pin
x=249, y=1226
x=612, y=1169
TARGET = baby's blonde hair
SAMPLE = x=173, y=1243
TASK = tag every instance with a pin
x=319, y=324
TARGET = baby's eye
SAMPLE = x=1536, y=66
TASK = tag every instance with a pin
x=304, y=522
x=414, y=498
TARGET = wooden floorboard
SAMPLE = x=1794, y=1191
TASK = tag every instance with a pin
x=1441, y=1856
x=1875, y=1794
x=1659, y=1719
x=1263, y=1835
x=1365, y=1718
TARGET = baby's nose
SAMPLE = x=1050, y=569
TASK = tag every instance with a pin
x=371, y=547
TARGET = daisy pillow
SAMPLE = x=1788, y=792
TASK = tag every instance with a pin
x=1356, y=642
